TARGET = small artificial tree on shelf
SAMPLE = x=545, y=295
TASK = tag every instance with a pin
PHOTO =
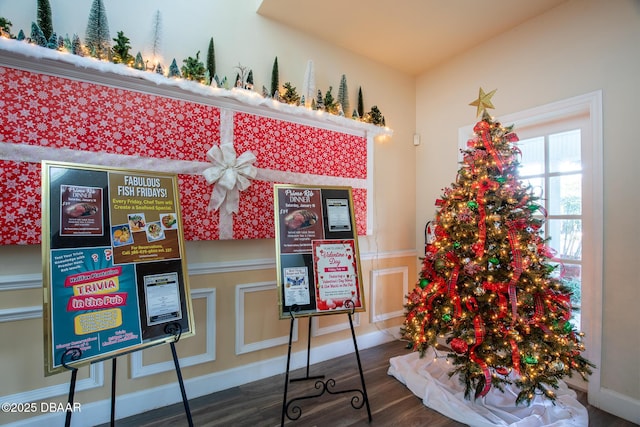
x=488, y=283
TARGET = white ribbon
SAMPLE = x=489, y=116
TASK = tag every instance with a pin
x=229, y=175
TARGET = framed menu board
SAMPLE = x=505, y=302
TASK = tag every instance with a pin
x=317, y=257
x=114, y=269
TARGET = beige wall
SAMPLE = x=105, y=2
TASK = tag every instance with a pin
x=577, y=48
x=241, y=36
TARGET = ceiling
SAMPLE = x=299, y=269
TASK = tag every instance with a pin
x=408, y=35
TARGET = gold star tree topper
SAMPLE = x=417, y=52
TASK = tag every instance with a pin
x=483, y=102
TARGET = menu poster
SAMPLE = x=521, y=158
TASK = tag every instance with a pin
x=80, y=210
x=318, y=265
x=114, y=273
x=300, y=218
x=162, y=299
x=144, y=224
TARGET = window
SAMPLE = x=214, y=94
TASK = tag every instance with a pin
x=551, y=163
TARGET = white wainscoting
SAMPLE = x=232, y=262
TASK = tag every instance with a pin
x=138, y=369
x=243, y=347
x=375, y=314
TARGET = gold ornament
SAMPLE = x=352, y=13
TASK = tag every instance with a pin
x=483, y=102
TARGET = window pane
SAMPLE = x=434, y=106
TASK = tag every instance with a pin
x=566, y=237
x=565, y=195
x=564, y=152
x=570, y=275
x=532, y=162
x=537, y=187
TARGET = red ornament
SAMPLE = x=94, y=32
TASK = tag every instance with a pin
x=502, y=370
x=459, y=345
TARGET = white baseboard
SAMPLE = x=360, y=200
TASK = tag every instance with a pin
x=617, y=404
x=146, y=400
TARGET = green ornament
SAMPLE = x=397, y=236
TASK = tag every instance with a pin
x=501, y=179
x=472, y=204
x=446, y=317
x=530, y=360
x=533, y=208
x=456, y=245
x=494, y=260
x=567, y=327
x=424, y=283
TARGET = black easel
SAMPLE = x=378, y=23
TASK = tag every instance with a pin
x=74, y=354
x=357, y=401
x=176, y=330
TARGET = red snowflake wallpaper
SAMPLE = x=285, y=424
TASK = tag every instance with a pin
x=53, y=118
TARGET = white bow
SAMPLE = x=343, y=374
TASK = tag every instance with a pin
x=230, y=176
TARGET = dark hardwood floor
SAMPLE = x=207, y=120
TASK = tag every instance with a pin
x=259, y=404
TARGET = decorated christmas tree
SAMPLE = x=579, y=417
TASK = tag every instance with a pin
x=488, y=286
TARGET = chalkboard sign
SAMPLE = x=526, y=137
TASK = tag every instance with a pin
x=114, y=268
x=318, y=262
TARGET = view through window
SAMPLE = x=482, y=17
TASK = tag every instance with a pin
x=552, y=165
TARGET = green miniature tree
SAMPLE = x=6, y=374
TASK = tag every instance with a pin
x=21, y=35
x=138, y=63
x=44, y=18
x=76, y=46
x=37, y=36
x=343, y=95
x=249, y=83
x=174, y=71
x=120, y=50
x=319, y=101
x=211, y=59
x=275, y=78
x=374, y=117
x=52, y=43
x=5, y=27
x=329, y=102
x=97, y=38
x=193, y=68
x=290, y=95
x=360, y=103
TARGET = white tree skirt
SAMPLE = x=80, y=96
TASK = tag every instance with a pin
x=428, y=379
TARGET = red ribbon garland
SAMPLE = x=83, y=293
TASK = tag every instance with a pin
x=440, y=290
x=453, y=284
x=517, y=268
x=500, y=289
x=562, y=300
x=482, y=187
x=484, y=130
x=479, y=332
x=515, y=356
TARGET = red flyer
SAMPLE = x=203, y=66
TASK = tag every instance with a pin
x=336, y=269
